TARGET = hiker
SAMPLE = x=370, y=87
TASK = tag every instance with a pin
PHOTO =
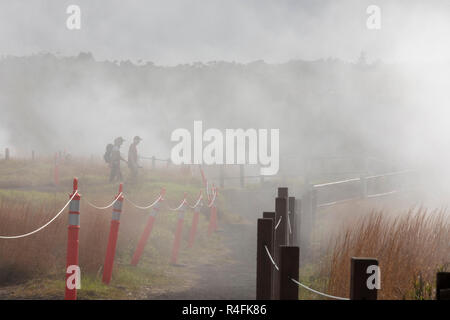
x=133, y=158
x=115, y=158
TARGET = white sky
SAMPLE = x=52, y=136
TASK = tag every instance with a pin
x=182, y=31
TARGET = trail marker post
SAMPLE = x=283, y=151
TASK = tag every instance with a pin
x=289, y=266
x=146, y=234
x=194, y=225
x=178, y=234
x=177, y=240
x=264, y=267
x=213, y=214
x=6, y=153
x=112, y=239
x=193, y=230
x=72, y=240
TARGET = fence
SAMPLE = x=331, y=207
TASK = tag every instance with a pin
x=278, y=260
x=317, y=196
x=311, y=168
x=154, y=160
x=72, y=268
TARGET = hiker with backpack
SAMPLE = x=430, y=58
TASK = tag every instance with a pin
x=113, y=157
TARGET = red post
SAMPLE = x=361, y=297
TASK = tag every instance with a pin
x=176, y=243
x=193, y=228
x=194, y=225
x=212, y=220
x=56, y=170
x=213, y=213
x=112, y=240
x=178, y=233
x=146, y=234
x=73, y=240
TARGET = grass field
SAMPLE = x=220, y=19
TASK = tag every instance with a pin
x=411, y=245
x=34, y=267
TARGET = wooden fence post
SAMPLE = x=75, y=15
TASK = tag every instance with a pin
x=306, y=225
x=443, y=286
x=6, y=153
x=153, y=163
x=271, y=215
x=359, y=276
x=289, y=265
x=241, y=175
x=363, y=182
x=264, y=267
x=283, y=192
x=280, y=235
x=292, y=227
x=32, y=155
x=298, y=222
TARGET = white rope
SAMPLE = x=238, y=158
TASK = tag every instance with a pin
x=146, y=207
x=382, y=194
x=318, y=292
x=301, y=284
x=106, y=207
x=45, y=225
x=335, y=182
x=198, y=201
x=179, y=207
x=278, y=223
x=289, y=223
x=213, y=199
x=271, y=259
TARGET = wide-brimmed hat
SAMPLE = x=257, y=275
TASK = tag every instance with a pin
x=119, y=139
x=137, y=138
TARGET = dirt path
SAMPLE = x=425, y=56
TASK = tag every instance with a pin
x=232, y=279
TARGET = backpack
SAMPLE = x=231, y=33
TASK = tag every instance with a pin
x=108, y=153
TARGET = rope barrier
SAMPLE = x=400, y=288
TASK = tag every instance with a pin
x=151, y=158
x=45, y=225
x=289, y=222
x=179, y=207
x=145, y=207
x=336, y=182
x=106, y=207
x=278, y=223
x=318, y=292
x=198, y=202
x=301, y=284
x=213, y=198
x=271, y=259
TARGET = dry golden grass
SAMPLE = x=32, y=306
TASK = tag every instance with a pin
x=409, y=247
x=45, y=251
